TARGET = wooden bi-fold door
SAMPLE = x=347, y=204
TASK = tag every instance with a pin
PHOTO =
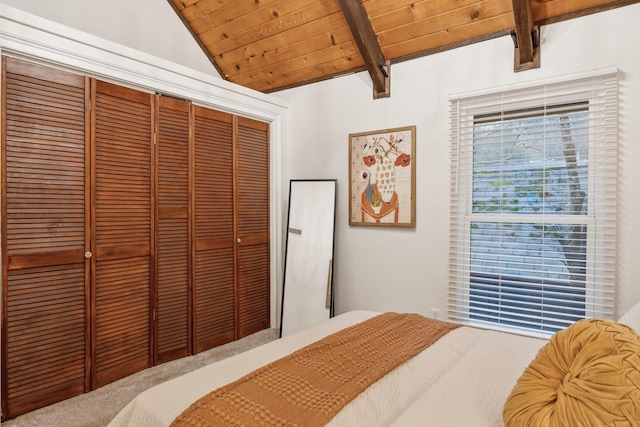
x=252, y=229
x=135, y=230
x=173, y=295
x=213, y=221
x=77, y=227
x=123, y=227
x=228, y=220
x=45, y=229
x=231, y=227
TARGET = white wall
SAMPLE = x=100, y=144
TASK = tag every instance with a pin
x=146, y=25
x=406, y=269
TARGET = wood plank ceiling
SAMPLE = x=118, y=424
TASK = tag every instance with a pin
x=270, y=45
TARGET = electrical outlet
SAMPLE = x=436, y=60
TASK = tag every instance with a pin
x=435, y=313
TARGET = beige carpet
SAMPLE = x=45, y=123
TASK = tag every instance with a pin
x=97, y=408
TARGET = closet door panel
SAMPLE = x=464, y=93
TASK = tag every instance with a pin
x=252, y=203
x=173, y=281
x=123, y=218
x=44, y=224
x=214, y=286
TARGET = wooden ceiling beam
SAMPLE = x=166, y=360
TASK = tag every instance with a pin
x=527, y=37
x=367, y=42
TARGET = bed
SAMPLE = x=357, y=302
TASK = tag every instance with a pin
x=464, y=378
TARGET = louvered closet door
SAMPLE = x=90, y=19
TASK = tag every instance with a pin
x=252, y=196
x=214, y=288
x=45, y=273
x=173, y=246
x=122, y=269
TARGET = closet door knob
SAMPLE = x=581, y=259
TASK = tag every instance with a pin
x=239, y=240
x=88, y=254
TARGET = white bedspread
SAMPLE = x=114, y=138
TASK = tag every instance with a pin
x=461, y=380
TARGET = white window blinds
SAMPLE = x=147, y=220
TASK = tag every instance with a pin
x=533, y=204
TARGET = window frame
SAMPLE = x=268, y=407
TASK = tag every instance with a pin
x=591, y=89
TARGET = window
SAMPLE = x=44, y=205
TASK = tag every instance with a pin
x=533, y=205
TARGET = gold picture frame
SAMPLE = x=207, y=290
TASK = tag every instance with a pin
x=382, y=177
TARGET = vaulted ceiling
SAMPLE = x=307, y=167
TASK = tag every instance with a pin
x=270, y=45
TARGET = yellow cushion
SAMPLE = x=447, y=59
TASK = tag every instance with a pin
x=586, y=375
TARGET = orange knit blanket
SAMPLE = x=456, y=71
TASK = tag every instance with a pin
x=311, y=385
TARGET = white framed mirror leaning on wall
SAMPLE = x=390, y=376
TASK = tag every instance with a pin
x=307, y=292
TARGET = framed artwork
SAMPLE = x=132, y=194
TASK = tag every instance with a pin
x=382, y=177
